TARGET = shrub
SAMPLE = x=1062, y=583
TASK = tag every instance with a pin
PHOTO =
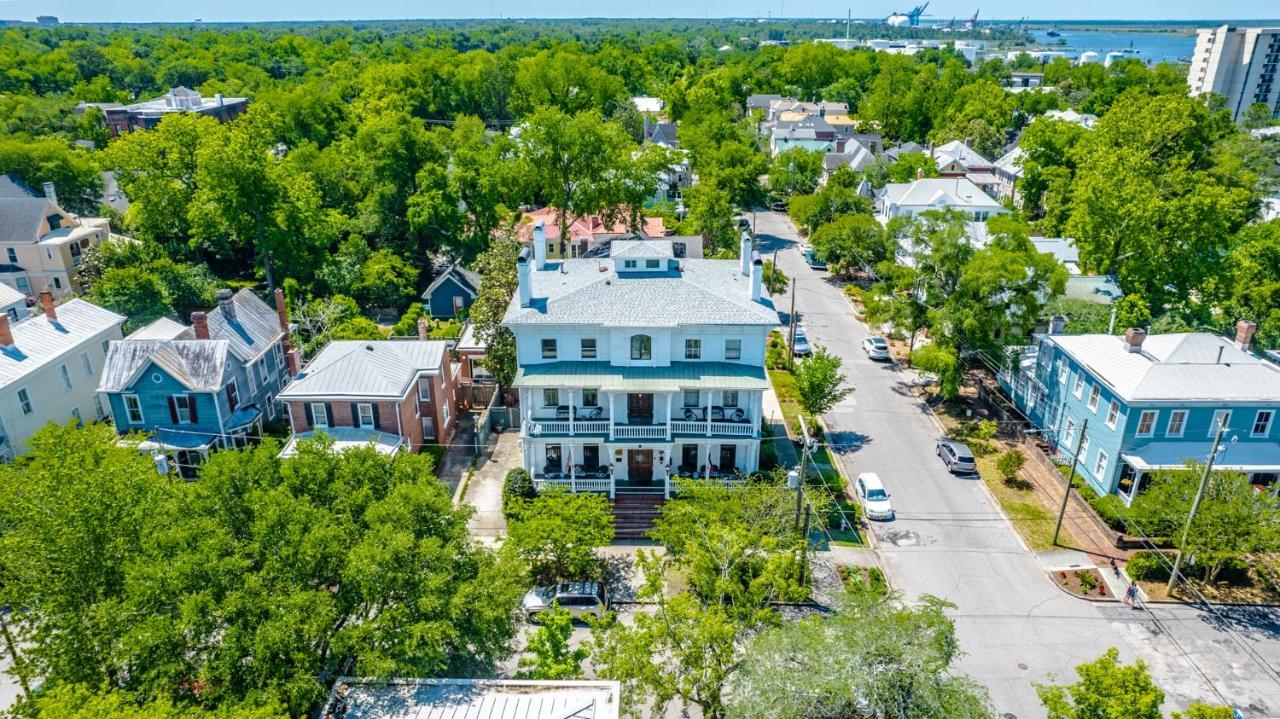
x=1086, y=579
x=518, y=485
x=1148, y=567
x=855, y=293
x=775, y=355
x=408, y=324
x=1010, y=463
x=1110, y=508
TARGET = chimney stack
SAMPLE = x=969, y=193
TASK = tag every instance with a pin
x=294, y=362
x=757, y=276
x=422, y=328
x=1133, y=339
x=744, y=254
x=540, y=246
x=282, y=312
x=6, y=335
x=226, y=304
x=200, y=323
x=523, y=272
x=1057, y=324
x=46, y=303
x=50, y=192
x=1244, y=334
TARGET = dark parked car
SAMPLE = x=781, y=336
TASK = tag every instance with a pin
x=956, y=456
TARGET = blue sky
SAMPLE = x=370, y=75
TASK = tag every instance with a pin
x=250, y=10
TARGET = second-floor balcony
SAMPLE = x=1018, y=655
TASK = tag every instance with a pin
x=713, y=421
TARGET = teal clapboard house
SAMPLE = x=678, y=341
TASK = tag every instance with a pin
x=190, y=390
x=1152, y=403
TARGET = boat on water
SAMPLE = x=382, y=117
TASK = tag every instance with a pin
x=1053, y=33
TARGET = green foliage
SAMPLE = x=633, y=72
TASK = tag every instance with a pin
x=497, y=268
x=775, y=353
x=357, y=328
x=795, y=171
x=79, y=702
x=39, y=160
x=810, y=212
x=135, y=293
x=1148, y=566
x=1010, y=463
x=1106, y=689
x=1203, y=711
x=942, y=362
x=407, y=325
x=557, y=533
x=255, y=581
x=820, y=383
x=851, y=241
x=516, y=485
x=548, y=654
x=775, y=281
x=876, y=656
x=910, y=166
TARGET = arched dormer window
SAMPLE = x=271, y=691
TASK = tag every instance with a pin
x=641, y=347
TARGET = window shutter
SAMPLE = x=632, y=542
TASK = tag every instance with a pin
x=355, y=415
x=328, y=414
x=173, y=410
x=191, y=400
x=377, y=423
x=306, y=409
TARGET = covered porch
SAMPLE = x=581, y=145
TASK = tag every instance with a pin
x=1259, y=461
x=345, y=438
x=587, y=466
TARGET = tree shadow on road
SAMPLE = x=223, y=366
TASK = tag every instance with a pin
x=1254, y=622
x=767, y=244
x=847, y=442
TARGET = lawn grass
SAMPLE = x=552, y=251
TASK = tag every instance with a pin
x=784, y=386
x=1033, y=519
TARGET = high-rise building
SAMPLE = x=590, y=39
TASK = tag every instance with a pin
x=1238, y=63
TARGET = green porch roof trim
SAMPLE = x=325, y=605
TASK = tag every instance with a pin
x=675, y=377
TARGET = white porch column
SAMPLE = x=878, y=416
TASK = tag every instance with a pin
x=613, y=415
x=708, y=417
x=667, y=418
x=705, y=449
x=572, y=411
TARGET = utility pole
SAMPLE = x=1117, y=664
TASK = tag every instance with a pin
x=791, y=331
x=1066, y=493
x=1195, y=504
x=804, y=548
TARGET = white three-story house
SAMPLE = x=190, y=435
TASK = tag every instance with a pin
x=639, y=366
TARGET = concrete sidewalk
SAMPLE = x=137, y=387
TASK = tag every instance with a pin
x=772, y=413
x=484, y=491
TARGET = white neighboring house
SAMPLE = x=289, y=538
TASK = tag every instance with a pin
x=49, y=369
x=639, y=366
x=13, y=303
x=908, y=199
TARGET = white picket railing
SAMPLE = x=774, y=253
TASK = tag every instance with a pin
x=536, y=427
x=575, y=485
x=643, y=431
x=717, y=429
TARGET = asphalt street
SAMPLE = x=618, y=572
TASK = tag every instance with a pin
x=951, y=540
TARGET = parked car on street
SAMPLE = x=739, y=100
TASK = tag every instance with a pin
x=801, y=347
x=956, y=456
x=875, y=501
x=876, y=348
x=579, y=598
x=778, y=206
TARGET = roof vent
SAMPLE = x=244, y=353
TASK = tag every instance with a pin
x=369, y=347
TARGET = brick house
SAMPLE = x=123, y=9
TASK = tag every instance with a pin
x=396, y=395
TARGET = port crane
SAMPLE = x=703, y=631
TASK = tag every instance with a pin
x=911, y=18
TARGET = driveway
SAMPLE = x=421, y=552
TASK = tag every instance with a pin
x=951, y=540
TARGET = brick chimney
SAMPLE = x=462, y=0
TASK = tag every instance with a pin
x=282, y=312
x=225, y=303
x=1244, y=334
x=1133, y=339
x=6, y=335
x=200, y=323
x=295, y=363
x=422, y=328
x=46, y=303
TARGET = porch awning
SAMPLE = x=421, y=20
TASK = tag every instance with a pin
x=168, y=438
x=672, y=378
x=346, y=438
x=243, y=416
x=1243, y=456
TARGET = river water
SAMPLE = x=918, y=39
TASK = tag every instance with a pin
x=1150, y=46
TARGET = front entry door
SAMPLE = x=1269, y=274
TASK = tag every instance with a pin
x=640, y=408
x=640, y=465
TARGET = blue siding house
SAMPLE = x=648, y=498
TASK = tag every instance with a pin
x=451, y=292
x=1152, y=403
x=190, y=390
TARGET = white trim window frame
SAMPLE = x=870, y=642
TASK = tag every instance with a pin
x=364, y=410
x=424, y=389
x=1113, y=414
x=1100, y=466
x=1078, y=389
x=319, y=415
x=182, y=407
x=64, y=377
x=1262, y=419
x=1177, y=424
x=1063, y=373
x=1220, y=417
x=1147, y=423
x=133, y=409
x=86, y=364
x=1095, y=393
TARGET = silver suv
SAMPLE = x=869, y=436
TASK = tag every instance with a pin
x=957, y=456
x=578, y=598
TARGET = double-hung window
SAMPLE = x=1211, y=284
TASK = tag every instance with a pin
x=1062, y=372
x=64, y=377
x=693, y=349
x=730, y=398
x=1084, y=448
x=86, y=364
x=1262, y=422
x=1221, y=418
x=1147, y=423
x=132, y=408
x=548, y=349
x=1078, y=389
x=366, y=414
x=1113, y=414
x=691, y=398
x=319, y=414
x=1100, y=467
x=1069, y=435
x=182, y=409
x=591, y=397
x=1177, y=423
x=1094, y=393
x=733, y=349
x=588, y=347
x=550, y=397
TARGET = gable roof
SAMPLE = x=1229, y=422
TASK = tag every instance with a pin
x=663, y=133
x=1188, y=366
x=39, y=341
x=252, y=331
x=588, y=291
x=643, y=248
x=12, y=186
x=197, y=365
x=20, y=218
x=11, y=296
x=939, y=192
x=163, y=329
x=958, y=152
x=468, y=280
x=366, y=368
x=1011, y=161
x=582, y=228
x=855, y=156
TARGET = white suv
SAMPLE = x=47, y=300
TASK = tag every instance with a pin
x=875, y=501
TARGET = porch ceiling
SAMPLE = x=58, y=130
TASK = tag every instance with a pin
x=675, y=377
x=1240, y=457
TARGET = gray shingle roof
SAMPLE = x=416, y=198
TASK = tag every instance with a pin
x=366, y=368
x=20, y=217
x=253, y=330
x=37, y=341
x=464, y=277
x=12, y=186
x=588, y=291
x=197, y=364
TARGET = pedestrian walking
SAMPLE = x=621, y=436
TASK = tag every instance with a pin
x=1131, y=594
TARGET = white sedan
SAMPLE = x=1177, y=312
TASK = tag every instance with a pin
x=876, y=348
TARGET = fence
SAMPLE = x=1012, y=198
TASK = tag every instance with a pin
x=494, y=419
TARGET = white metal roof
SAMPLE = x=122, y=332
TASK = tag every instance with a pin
x=1187, y=367
x=589, y=291
x=163, y=329
x=366, y=368
x=252, y=331
x=939, y=192
x=345, y=438
x=957, y=151
x=10, y=296
x=39, y=341
x=473, y=699
x=197, y=364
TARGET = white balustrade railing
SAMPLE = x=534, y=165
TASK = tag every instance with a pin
x=641, y=431
x=592, y=426
x=535, y=427
x=686, y=427
x=721, y=429
x=575, y=485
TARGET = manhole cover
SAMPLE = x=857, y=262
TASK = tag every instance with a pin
x=902, y=538
x=1021, y=665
